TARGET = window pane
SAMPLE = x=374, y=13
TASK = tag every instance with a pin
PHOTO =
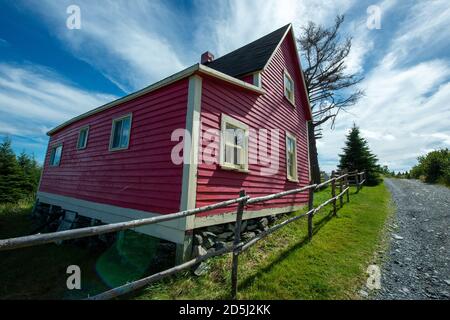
x=82, y=140
x=238, y=156
x=229, y=135
x=55, y=156
x=117, y=133
x=52, y=156
x=291, y=164
x=239, y=134
x=229, y=153
x=125, y=132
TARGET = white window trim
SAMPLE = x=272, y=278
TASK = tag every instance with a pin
x=286, y=74
x=130, y=115
x=87, y=137
x=51, y=152
x=225, y=119
x=295, y=177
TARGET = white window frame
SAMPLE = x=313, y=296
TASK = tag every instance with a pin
x=79, y=136
x=225, y=119
x=292, y=99
x=113, y=127
x=293, y=178
x=53, y=153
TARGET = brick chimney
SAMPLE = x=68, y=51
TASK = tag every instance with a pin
x=207, y=57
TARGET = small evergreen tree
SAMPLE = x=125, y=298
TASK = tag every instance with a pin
x=11, y=175
x=357, y=156
x=31, y=172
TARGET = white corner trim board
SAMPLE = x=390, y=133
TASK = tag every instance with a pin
x=190, y=148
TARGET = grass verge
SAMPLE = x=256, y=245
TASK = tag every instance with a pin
x=284, y=266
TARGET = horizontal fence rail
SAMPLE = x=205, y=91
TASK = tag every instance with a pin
x=236, y=248
x=44, y=238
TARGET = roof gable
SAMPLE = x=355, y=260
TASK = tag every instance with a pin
x=251, y=57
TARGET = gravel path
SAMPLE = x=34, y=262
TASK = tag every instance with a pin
x=418, y=262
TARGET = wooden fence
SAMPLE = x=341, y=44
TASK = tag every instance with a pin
x=339, y=183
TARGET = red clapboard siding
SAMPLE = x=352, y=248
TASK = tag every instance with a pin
x=142, y=177
x=270, y=111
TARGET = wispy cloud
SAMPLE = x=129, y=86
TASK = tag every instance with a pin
x=127, y=41
x=404, y=112
x=34, y=98
x=426, y=26
x=135, y=44
x=3, y=43
x=227, y=25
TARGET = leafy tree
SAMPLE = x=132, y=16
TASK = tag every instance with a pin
x=11, y=175
x=357, y=156
x=433, y=167
x=331, y=87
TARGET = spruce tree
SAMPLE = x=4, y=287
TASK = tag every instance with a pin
x=31, y=173
x=357, y=156
x=11, y=175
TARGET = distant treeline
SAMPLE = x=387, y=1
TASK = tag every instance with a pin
x=433, y=167
x=19, y=175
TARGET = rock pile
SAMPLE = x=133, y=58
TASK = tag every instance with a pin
x=218, y=236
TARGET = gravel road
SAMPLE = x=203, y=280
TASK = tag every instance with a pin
x=418, y=262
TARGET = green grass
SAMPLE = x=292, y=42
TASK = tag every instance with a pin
x=40, y=272
x=286, y=266
x=283, y=266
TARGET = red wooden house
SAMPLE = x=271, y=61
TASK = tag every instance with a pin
x=116, y=162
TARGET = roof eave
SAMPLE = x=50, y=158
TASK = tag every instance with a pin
x=162, y=83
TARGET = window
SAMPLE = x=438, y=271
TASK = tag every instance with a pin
x=234, y=144
x=82, y=138
x=120, y=133
x=257, y=81
x=291, y=157
x=289, y=87
x=55, y=155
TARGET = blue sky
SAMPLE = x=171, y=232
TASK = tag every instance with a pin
x=49, y=73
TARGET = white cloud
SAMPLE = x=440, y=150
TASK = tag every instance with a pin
x=129, y=43
x=403, y=115
x=426, y=26
x=135, y=44
x=33, y=99
x=228, y=25
x=405, y=111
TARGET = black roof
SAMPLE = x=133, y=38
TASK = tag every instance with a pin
x=251, y=57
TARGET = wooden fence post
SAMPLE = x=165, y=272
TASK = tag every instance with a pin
x=357, y=181
x=361, y=180
x=341, y=188
x=333, y=192
x=347, y=186
x=310, y=215
x=237, y=240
